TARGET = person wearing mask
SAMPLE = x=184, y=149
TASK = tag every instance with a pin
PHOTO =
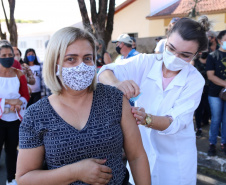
x=124, y=48
x=31, y=60
x=25, y=68
x=81, y=128
x=213, y=44
x=169, y=90
x=16, y=63
x=202, y=113
x=161, y=43
x=103, y=57
x=216, y=72
x=134, y=44
x=13, y=100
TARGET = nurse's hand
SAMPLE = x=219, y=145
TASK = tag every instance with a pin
x=139, y=114
x=129, y=88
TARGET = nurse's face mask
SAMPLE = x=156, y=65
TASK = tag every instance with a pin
x=176, y=61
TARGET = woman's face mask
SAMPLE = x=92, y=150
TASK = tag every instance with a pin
x=7, y=62
x=172, y=62
x=31, y=58
x=223, y=46
x=79, y=77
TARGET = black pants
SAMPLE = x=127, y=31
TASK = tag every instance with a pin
x=34, y=98
x=202, y=113
x=9, y=136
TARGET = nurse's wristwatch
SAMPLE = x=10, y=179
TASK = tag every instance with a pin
x=148, y=120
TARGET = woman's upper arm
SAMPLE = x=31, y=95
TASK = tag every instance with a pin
x=29, y=159
x=210, y=74
x=131, y=132
x=107, y=58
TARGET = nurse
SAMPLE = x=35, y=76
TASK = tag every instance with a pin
x=171, y=90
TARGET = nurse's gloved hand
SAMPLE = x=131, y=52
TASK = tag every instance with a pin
x=139, y=114
x=129, y=88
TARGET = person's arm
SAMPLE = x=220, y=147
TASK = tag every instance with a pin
x=180, y=115
x=13, y=101
x=216, y=80
x=90, y=171
x=30, y=76
x=157, y=122
x=107, y=58
x=136, y=156
x=128, y=87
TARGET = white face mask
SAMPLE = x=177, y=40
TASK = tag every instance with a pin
x=79, y=77
x=173, y=63
x=17, y=58
x=223, y=45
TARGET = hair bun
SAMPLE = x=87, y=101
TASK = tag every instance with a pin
x=204, y=23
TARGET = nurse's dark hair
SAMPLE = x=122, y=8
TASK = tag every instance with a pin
x=221, y=34
x=191, y=30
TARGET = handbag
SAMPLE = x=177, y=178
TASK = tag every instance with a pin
x=222, y=94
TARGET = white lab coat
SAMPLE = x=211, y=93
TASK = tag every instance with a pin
x=172, y=153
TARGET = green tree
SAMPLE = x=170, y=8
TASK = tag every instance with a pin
x=102, y=20
x=193, y=12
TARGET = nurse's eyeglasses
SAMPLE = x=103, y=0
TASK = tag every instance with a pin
x=186, y=56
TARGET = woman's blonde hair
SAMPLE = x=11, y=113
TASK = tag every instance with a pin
x=56, y=50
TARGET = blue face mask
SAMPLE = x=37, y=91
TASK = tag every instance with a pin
x=7, y=62
x=31, y=58
x=224, y=45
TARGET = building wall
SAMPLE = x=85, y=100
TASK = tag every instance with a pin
x=158, y=27
x=132, y=19
x=219, y=21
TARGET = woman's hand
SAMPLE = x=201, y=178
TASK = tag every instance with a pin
x=13, y=102
x=139, y=114
x=15, y=108
x=93, y=171
x=129, y=88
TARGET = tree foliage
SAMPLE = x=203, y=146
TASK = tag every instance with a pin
x=193, y=12
x=10, y=23
x=101, y=23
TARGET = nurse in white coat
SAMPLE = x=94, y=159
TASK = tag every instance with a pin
x=171, y=90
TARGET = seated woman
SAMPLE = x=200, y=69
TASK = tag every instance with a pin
x=13, y=101
x=81, y=128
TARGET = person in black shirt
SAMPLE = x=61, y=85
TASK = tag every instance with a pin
x=216, y=72
x=202, y=113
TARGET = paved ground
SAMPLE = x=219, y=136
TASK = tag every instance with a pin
x=204, y=177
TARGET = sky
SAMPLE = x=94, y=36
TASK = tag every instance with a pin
x=48, y=10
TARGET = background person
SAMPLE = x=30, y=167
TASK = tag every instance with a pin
x=25, y=68
x=171, y=90
x=31, y=60
x=124, y=48
x=216, y=72
x=80, y=129
x=161, y=44
x=103, y=57
x=13, y=100
x=202, y=113
x=213, y=44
